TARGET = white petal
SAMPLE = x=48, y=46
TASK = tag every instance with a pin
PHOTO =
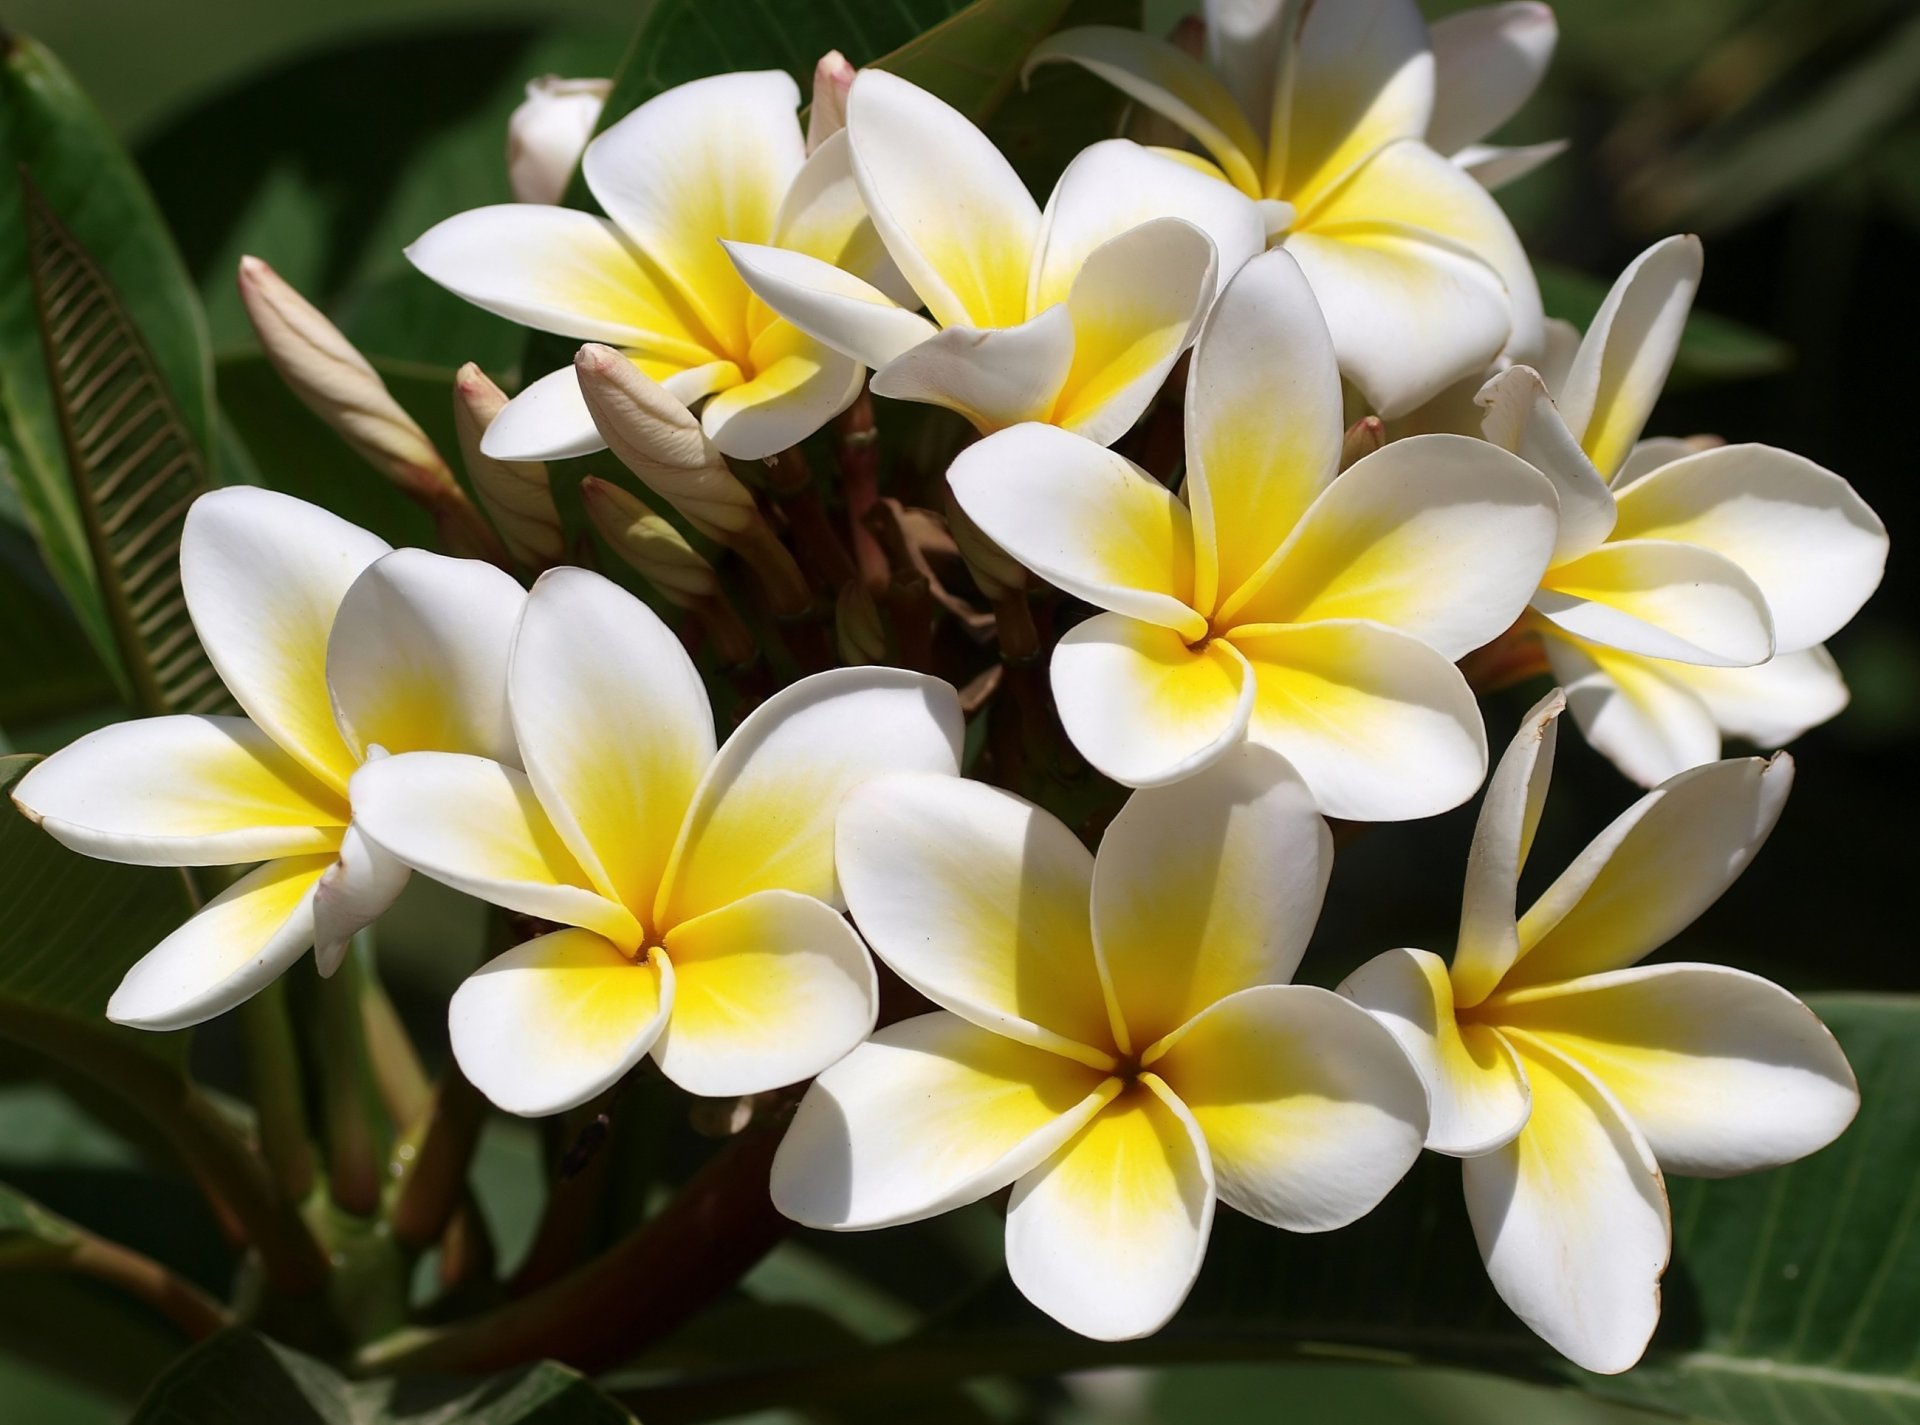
x=556, y=270
x=1487, y=63
x=979, y=900
x=703, y=161
x=1651, y=452
x=1085, y=519
x=1494, y=166
x=767, y=991
x=548, y=420
x=928, y=1115
x=1206, y=887
x=1662, y=599
x=1721, y=1071
x=1652, y=873
x=823, y=216
x=1113, y=187
x=1245, y=40
x=417, y=659
x=1263, y=422
x=357, y=890
x=237, y=944
x=996, y=377
x=955, y=216
x=1441, y=536
x=1772, y=704
x=1108, y=1236
x=1142, y=705
x=478, y=827
x=1310, y=1108
x=1521, y=417
x=1476, y=1093
x=1572, y=1219
x=1363, y=77
x=798, y=385
x=551, y=1023
x=763, y=816
x=181, y=791
x=1381, y=726
x=1810, y=543
x=836, y=307
x=1502, y=837
x=1623, y=361
x=1634, y=710
x=264, y=575
x=615, y=728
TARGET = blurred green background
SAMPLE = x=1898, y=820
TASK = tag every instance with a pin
x=1786, y=132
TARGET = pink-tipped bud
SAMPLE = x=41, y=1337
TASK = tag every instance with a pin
x=832, y=78
x=517, y=494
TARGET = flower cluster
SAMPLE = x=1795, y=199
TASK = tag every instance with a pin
x=1277, y=637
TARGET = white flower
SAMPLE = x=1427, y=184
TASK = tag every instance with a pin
x=1570, y=1077
x=717, y=158
x=1316, y=612
x=1072, y=316
x=339, y=650
x=548, y=132
x=1487, y=63
x=1678, y=570
x=1323, y=117
x=699, y=883
x=1117, y=1038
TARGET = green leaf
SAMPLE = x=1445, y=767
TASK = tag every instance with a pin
x=39, y=633
x=1712, y=349
x=50, y=129
x=239, y=1378
x=73, y=926
x=136, y=466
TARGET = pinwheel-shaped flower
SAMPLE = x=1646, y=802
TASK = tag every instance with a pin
x=287, y=600
x=698, y=884
x=1321, y=112
x=1116, y=1037
x=1073, y=316
x=717, y=158
x=1569, y=1076
x=1318, y=613
x=1676, y=570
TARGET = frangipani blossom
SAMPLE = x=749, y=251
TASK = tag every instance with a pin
x=340, y=650
x=717, y=158
x=1072, y=316
x=1323, y=117
x=1116, y=1037
x=1319, y=613
x=1570, y=1077
x=697, y=884
x=1677, y=570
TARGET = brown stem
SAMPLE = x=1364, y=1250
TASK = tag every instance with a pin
x=137, y=1274
x=909, y=598
x=650, y=1282
x=858, y=451
x=573, y=1199
x=347, y=1088
x=275, y=1080
x=819, y=547
x=773, y=564
x=403, y=1083
x=432, y=1162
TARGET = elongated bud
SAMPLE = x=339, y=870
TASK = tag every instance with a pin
x=660, y=554
x=656, y=437
x=1363, y=437
x=857, y=629
x=548, y=133
x=339, y=385
x=832, y=78
x=993, y=569
x=518, y=494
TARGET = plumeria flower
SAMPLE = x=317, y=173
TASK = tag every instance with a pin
x=1116, y=1037
x=1323, y=118
x=717, y=158
x=1570, y=1076
x=1487, y=63
x=702, y=919
x=340, y=650
x=1072, y=316
x=1317, y=613
x=1678, y=569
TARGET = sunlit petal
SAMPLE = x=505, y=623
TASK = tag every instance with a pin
x=798, y=385
x=847, y=313
x=1521, y=417
x=995, y=377
x=1772, y=704
x=1363, y=77
x=1487, y=62
x=1662, y=599
x=358, y=888
x=1634, y=710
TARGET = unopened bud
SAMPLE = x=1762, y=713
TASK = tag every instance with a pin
x=548, y=133
x=996, y=572
x=660, y=554
x=857, y=629
x=832, y=78
x=1363, y=437
x=518, y=494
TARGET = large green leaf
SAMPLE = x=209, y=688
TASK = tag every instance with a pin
x=51, y=130
x=243, y=1379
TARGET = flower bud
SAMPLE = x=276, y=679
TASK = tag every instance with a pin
x=1363, y=437
x=548, y=132
x=857, y=630
x=832, y=78
x=516, y=493
x=645, y=540
x=993, y=569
